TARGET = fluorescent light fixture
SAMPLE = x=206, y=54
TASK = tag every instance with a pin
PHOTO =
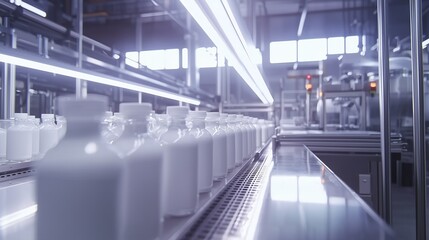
x=196, y=12
x=17, y=216
x=425, y=43
x=301, y=22
x=93, y=77
x=234, y=47
x=29, y=7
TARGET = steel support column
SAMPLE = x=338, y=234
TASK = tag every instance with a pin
x=191, y=71
x=418, y=117
x=81, y=85
x=139, y=39
x=383, y=71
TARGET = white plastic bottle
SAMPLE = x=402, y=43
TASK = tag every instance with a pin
x=78, y=181
x=230, y=141
x=19, y=139
x=116, y=126
x=205, y=150
x=34, y=123
x=245, y=137
x=264, y=133
x=258, y=133
x=48, y=133
x=252, y=136
x=232, y=123
x=62, y=126
x=2, y=143
x=271, y=128
x=142, y=165
x=162, y=123
x=180, y=158
x=220, y=166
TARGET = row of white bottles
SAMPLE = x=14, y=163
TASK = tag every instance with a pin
x=155, y=168
x=25, y=138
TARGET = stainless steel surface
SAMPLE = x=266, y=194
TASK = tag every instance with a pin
x=289, y=196
x=383, y=72
x=305, y=200
x=418, y=117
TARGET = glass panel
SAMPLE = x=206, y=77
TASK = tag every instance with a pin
x=153, y=59
x=352, y=44
x=171, y=58
x=336, y=45
x=283, y=52
x=206, y=57
x=131, y=59
x=312, y=49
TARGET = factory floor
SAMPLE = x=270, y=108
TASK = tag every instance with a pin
x=403, y=211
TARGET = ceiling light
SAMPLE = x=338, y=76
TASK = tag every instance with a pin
x=29, y=7
x=84, y=74
x=232, y=43
x=425, y=43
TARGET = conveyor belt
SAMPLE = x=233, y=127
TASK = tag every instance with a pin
x=14, y=170
x=229, y=213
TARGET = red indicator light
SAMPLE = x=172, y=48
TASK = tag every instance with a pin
x=373, y=86
x=308, y=77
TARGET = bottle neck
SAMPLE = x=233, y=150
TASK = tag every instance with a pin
x=83, y=128
x=198, y=123
x=48, y=121
x=222, y=122
x=135, y=127
x=177, y=123
x=212, y=123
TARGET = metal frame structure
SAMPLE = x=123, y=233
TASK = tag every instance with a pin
x=361, y=94
x=418, y=117
x=383, y=61
x=85, y=53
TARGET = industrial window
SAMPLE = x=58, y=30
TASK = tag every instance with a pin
x=312, y=49
x=154, y=59
x=205, y=57
x=171, y=58
x=131, y=59
x=352, y=44
x=283, y=52
x=336, y=45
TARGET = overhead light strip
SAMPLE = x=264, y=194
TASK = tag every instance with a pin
x=91, y=77
x=29, y=7
x=225, y=17
x=237, y=50
x=197, y=13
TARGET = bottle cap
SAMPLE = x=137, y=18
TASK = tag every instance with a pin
x=223, y=115
x=212, y=114
x=47, y=115
x=135, y=110
x=177, y=111
x=21, y=116
x=197, y=114
x=118, y=115
x=93, y=107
